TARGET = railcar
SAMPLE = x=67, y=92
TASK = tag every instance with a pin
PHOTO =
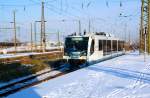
x=90, y=48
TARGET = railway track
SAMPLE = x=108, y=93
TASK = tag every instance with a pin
x=34, y=80
x=42, y=77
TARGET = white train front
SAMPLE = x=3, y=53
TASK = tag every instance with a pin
x=93, y=47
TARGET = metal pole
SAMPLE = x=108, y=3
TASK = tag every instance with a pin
x=43, y=36
x=35, y=35
x=79, y=27
x=145, y=22
x=111, y=46
x=125, y=36
x=117, y=46
x=15, y=38
x=31, y=39
x=58, y=39
x=148, y=27
x=145, y=33
x=141, y=27
x=129, y=38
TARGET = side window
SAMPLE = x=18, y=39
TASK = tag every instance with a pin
x=114, y=45
x=108, y=45
x=100, y=45
x=92, y=47
x=104, y=46
x=119, y=45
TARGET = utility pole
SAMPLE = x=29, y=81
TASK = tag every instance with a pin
x=79, y=27
x=15, y=38
x=59, y=44
x=145, y=22
x=58, y=35
x=35, y=35
x=31, y=39
x=145, y=39
x=149, y=26
x=129, y=41
x=125, y=34
x=43, y=36
x=141, y=27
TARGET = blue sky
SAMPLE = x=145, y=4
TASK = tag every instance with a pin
x=105, y=15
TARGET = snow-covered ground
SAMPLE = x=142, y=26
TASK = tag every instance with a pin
x=26, y=48
x=127, y=76
x=3, y=56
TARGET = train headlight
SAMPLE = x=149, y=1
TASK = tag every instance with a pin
x=66, y=54
x=84, y=54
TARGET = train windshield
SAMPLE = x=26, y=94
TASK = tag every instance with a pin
x=76, y=44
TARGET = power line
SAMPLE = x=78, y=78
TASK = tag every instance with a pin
x=62, y=11
x=118, y=1
x=9, y=5
x=57, y=10
x=51, y=1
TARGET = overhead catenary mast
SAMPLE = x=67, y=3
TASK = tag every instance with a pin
x=14, y=28
x=79, y=27
x=31, y=39
x=43, y=36
x=15, y=36
x=145, y=23
x=149, y=26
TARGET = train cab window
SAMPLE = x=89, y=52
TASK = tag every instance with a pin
x=76, y=44
x=92, y=47
x=100, y=45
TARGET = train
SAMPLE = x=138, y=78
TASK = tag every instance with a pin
x=89, y=48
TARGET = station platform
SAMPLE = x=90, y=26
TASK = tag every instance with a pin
x=126, y=76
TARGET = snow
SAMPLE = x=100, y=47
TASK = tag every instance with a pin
x=22, y=48
x=26, y=48
x=126, y=76
x=3, y=56
x=22, y=78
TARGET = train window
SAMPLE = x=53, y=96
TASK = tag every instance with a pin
x=104, y=46
x=108, y=45
x=100, y=45
x=76, y=44
x=92, y=47
x=120, y=45
x=114, y=45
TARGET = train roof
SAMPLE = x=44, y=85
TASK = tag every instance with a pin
x=101, y=35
